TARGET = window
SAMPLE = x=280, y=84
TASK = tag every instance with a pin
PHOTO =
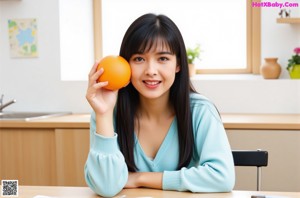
x=228, y=31
x=76, y=39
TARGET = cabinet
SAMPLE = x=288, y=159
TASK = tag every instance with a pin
x=44, y=156
x=72, y=146
x=28, y=155
x=53, y=151
x=283, y=170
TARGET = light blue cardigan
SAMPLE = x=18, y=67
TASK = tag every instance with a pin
x=211, y=169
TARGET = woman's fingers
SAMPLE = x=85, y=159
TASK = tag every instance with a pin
x=96, y=86
x=96, y=75
x=100, y=85
x=100, y=99
x=93, y=85
x=94, y=68
x=93, y=78
x=93, y=90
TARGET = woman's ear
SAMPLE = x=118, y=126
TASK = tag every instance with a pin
x=177, y=69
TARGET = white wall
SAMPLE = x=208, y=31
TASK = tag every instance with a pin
x=36, y=83
x=279, y=40
x=252, y=96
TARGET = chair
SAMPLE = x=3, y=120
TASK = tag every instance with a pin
x=258, y=158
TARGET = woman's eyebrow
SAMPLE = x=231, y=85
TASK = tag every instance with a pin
x=158, y=53
x=164, y=52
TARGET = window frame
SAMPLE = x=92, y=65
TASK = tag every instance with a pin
x=253, y=40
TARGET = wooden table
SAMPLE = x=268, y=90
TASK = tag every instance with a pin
x=85, y=192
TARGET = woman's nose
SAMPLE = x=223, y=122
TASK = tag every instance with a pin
x=151, y=69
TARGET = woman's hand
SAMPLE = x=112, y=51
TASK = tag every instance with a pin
x=144, y=179
x=133, y=180
x=101, y=100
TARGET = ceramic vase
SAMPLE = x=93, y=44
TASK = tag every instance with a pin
x=295, y=72
x=270, y=69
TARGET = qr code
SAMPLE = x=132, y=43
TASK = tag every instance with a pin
x=9, y=188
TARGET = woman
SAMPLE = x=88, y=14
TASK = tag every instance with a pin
x=156, y=132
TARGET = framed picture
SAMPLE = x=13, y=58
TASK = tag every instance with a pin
x=23, y=38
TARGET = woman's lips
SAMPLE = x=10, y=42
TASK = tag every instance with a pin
x=151, y=83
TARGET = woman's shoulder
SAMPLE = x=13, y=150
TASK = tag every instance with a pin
x=197, y=99
x=201, y=105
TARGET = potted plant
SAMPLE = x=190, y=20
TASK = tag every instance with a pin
x=294, y=64
x=192, y=55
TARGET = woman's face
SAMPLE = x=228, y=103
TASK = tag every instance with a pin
x=153, y=72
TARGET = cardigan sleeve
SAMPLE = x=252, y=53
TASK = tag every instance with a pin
x=214, y=171
x=105, y=169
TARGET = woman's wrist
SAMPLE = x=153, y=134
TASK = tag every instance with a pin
x=104, y=124
x=150, y=180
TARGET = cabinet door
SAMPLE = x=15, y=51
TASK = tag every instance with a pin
x=28, y=155
x=283, y=170
x=72, y=147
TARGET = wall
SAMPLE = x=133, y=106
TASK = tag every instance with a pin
x=36, y=83
x=279, y=40
x=252, y=95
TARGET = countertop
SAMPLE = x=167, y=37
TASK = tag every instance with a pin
x=262, y=121
x=231, y=121
x=77, y=121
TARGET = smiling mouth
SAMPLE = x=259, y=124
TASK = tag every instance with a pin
x=151, y=83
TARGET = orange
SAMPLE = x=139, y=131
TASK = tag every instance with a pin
x=116, y=71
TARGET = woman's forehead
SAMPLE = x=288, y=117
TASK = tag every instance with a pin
x=158, y=44
x=160, y=47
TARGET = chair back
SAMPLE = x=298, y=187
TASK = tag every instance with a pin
x=256, y=158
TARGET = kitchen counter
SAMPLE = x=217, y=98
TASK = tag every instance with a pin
x=262, y=121
x=57, y=148
x=76, y=121
x=231, y=121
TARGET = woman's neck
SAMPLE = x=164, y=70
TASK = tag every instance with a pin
x=155, y=109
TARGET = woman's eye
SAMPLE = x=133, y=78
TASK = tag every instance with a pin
x=138, y=59
x=163, y=59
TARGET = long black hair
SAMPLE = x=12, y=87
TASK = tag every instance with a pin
x=142, y=34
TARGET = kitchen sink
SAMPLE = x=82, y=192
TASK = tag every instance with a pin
x=10, y=115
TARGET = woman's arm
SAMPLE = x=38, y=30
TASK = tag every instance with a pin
x=145, y=179
x=105, y=169
x=215, y=169
x=102, y=101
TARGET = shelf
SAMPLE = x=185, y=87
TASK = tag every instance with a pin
x=288, y=20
